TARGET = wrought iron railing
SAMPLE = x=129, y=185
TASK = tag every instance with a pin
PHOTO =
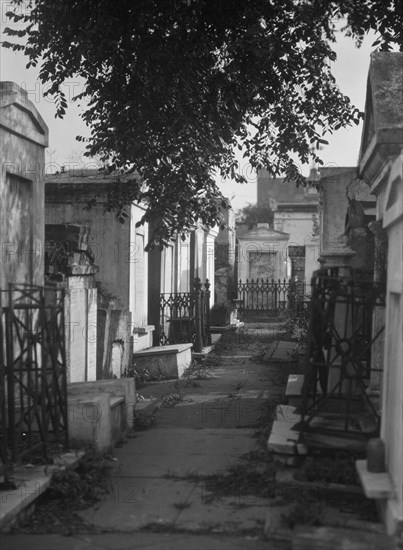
x=341, y=337
x=185, y=317
x=268, y=295
x=33, y=386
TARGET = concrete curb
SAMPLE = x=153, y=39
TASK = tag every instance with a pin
x=31, y=482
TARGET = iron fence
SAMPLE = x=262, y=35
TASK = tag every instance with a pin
x=185, y=317
x=342, y=334
x=33, y=384
x=270, y=296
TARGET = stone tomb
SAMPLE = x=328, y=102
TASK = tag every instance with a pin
x=165, y=361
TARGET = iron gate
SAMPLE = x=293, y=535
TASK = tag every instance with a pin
x=268, y=295
x=33, y=384
x=185, y=317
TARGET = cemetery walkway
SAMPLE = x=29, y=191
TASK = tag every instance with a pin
x=200, y=477
x=173, y=484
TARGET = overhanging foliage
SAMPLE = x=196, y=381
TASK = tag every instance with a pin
x=173, y=87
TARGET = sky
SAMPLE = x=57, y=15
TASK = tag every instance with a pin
x=350, y=70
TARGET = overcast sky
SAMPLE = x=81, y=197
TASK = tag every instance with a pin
x=350, y=70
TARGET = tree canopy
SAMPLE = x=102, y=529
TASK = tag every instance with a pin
x=255, y=213
x=174, y=87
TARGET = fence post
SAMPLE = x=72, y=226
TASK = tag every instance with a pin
x=198, y=315
x=159, y=327
x=291, y=295
x=206, y=327
x=275, y=296
x=241, y=294
x=6, y=388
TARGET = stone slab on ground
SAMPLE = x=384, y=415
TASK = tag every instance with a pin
x=31, y=482
x=280, y=351
x=375, y=485
x=232, y=512
x=330, y=538
x=284, y=439
x=153, y=483
x=287, y=413
x=134, y=541
x=270, y=351
x=136, y=502
x=181, y=451
x=30, y=485
x=295, y=384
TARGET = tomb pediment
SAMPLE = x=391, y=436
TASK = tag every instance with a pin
x=368, y=130
x=382, y=133
x=20, y=116
x=394, y=195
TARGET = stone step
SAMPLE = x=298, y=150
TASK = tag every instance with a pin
x=376, y=485
x=325, y=432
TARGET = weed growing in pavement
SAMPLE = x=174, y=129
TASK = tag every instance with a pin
x=70, y=490
x=144, y=420
x=296, y=328
x=182, y=505
x=253, y=476
x=241, y=481
x=177, y=396
x=172, y=399
x=330, y=468
x=85, y=485
x=143, y=376
x=198, y=370
x=306, y=511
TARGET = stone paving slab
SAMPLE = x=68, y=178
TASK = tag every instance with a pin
x=328, y=538
x=179, y=451
x=31, y=481
x=230, y=513
x=280, y=351
x=285, y=439
x=228, y=413
x=135, y=541
x=136, y=502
